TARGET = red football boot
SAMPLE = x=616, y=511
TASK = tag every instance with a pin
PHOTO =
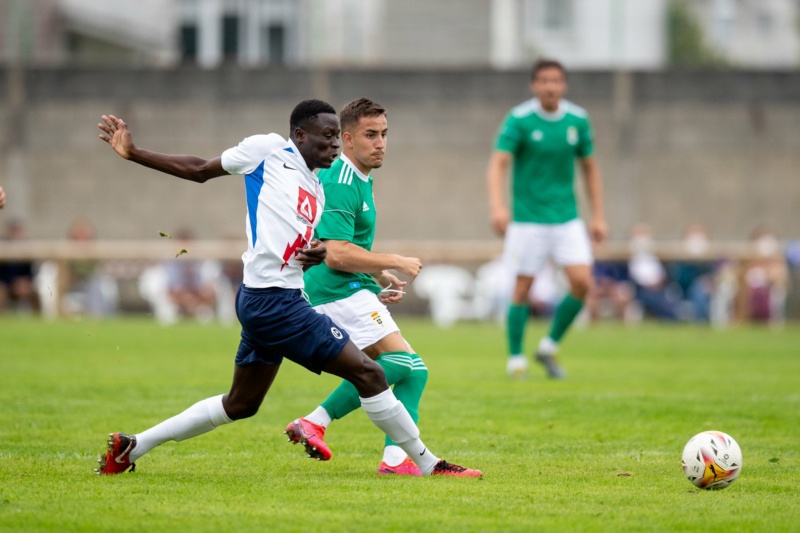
x=406, y=468
x=116, y=460
x=311, y=436
x=443, y=468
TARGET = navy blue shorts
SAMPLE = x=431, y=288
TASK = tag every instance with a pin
x=278, y=323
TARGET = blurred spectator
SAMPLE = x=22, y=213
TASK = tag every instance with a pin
x=612, y=294
x=694, y=276
x=190, y=283
x=87, y=290
x=765, y=279
x=17, y=290
x=231, y=278
x=793, y=296
x=649, y=276
x=725, y=289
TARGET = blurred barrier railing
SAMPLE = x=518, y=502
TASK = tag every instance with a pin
x=455, y=251
x=61, y=252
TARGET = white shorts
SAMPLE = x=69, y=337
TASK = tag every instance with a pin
x=362, y=316
x=528, y=246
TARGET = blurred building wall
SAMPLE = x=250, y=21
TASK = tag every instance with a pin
x=718, y=148
x=584, y=34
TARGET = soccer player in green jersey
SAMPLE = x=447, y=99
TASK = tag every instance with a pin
x=354, y=283
x=540, y=140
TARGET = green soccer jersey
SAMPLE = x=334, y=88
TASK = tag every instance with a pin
x=544, y=146
x=349, y=215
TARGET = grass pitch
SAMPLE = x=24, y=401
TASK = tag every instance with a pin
x=599, y=451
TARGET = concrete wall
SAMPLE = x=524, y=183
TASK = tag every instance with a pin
x=722, y=148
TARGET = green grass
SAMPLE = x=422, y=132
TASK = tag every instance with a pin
x=599, y=451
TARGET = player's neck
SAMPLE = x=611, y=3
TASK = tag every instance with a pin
x=550, y=107
x=356, y=163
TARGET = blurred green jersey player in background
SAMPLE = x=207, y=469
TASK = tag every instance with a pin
x=539, y=141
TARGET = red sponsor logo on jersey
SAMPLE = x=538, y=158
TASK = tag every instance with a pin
x=306, y=205
x=302, y=241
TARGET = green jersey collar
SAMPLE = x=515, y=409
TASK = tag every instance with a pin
x=363, y=177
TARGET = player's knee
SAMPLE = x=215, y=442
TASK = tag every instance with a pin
x=372, y=372
x=419, y=371
x=369, y=378
x=580, y=288
x=241, y=409
x=420, y=376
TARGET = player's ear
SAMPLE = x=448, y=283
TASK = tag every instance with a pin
x=299, y=134
x=347, y=137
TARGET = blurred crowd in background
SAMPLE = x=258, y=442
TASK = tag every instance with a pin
x=698, y=287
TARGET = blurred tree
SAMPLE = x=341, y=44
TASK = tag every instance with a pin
x=687, y=45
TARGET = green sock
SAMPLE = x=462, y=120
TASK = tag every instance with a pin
x=516, y=321
x=565, y=315
x=344, y=399
x=409, y=389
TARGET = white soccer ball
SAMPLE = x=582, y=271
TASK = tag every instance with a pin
x=712, y=460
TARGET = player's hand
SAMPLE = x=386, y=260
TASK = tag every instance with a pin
x=313, y=255
x=2, y=198
x=499, y=219
x=392, y=288
x=117, y=135
x=410, y=266
x=598, y=230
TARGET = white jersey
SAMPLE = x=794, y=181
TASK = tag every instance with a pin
x=284, y=205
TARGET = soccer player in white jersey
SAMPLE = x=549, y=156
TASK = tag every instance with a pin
x=354, y=283
x=284, y=204
x=541, y=139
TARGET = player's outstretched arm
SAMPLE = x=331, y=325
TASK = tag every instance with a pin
x=188, y=167
x=348, y=257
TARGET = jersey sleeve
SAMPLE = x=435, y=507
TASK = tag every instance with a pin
x=585, y=146
x=248, y=154
x=341, y=205
x=509, y=135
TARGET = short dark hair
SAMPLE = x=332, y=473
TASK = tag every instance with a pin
x=308, y=110
x=543, y=63
x=354, y=111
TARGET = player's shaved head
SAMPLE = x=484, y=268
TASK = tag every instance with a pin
x=356, y=110
x=306, y=111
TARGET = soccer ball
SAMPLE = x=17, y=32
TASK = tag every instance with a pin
x=712, y=460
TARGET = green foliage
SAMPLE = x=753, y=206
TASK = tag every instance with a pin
x=687, y=45
x=599, y=451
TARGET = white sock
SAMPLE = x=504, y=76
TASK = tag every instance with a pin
x=548, y=346
x=200, y=418
x=386, y=412
x=393, y=455
x=320, y=417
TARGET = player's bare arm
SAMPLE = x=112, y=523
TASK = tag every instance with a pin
x=2, y=198
x=188, y=167
x=598, y=228
x=499, y=164
x=313, y=255
x=348, y=257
